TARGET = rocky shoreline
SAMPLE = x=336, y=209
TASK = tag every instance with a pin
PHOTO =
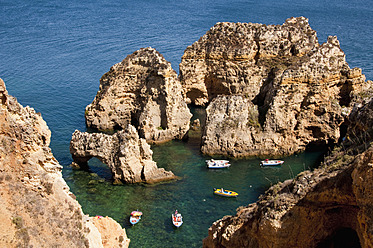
x=37, y=207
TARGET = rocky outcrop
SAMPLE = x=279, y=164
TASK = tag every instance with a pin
x=306, y=212
x=111, y=232
x=298, y=91
x=128, y=156
x=37, y=208
x=329, y=207
x=237, y=58
x=232, y=128
x=142, y=90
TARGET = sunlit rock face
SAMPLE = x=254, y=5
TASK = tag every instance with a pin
x=128, y=156
x=298, y=91
x=328, y=207
x=37, y=207
x=142, y=90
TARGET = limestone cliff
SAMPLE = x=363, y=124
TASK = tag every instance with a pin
x=37, y=208
x=128, y=156
x=142, y=90
x=298, y=92
x=329, y=207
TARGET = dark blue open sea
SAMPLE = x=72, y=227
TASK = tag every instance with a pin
x=53, y=53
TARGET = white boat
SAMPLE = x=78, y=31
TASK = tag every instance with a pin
x=177, y=219
x=217, y=164
x=268, y=162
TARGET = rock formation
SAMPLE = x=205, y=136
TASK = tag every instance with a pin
x=329, y=207
x=232, y=128
x=128, y=156
x=142, y=90
x=37, y=208
x=297, y=92
x=111, y=232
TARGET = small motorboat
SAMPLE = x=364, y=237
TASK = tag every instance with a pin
x=135, y=217
x=268, y=162
x=177, y=219
x=224, y=192
x=217, y=164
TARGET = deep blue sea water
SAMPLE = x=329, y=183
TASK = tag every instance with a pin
x=53, y=53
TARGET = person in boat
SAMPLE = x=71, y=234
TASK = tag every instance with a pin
x=175, y=215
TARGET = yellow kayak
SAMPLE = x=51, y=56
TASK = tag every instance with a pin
x=224, y=192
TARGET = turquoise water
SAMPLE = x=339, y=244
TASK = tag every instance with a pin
x=53, y=54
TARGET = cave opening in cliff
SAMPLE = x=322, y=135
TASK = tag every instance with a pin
x=343, y=131
x=193, y=95
x=345, y=94
x=215, y=87
x=117, y=127
x=260, y=99
x=99, y=169
x=341, y=238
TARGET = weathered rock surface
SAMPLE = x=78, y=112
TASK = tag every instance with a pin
x=237, y=58
x=37, y=208
x=142, y=90
x=128, y=156
x=300, y=91
x=329, y=207
x=111, y=232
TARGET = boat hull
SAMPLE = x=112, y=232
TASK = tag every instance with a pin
x=225, y=193
x=134, y=220
x=177, y=222
x=217, y=164
x=272, y=163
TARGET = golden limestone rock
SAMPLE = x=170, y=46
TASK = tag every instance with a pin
x=142, y=90
x=37, y=207
x=298, y=91
x=128, y=156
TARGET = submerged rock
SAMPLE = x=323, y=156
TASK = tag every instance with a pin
x=128, y=156
x=142, y=90
x=300, y=91
x=37, y=207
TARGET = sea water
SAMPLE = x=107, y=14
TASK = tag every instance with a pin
x=53, y=54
